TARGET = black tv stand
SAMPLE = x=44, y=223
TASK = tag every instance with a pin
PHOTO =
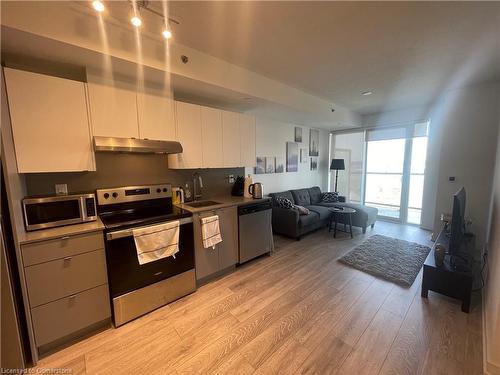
x=454, y=278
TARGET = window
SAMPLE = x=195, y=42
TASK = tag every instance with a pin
x=385, y=168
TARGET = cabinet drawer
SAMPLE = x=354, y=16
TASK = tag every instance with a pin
x=58, y=248
x=63, y=317
x=62, y=277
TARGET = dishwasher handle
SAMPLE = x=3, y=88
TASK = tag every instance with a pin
x=254, y=207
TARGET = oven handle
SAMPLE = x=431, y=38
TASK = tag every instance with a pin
x=128, y=232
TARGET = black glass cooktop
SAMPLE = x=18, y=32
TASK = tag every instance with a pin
x=141, y=215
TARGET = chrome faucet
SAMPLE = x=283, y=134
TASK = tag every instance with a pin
x=197, y=181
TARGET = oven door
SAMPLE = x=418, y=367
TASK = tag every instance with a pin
x=125, y=274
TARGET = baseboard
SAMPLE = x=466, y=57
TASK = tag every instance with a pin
x=489, y=368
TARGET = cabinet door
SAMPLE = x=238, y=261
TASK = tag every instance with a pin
x=50, y=123
x=206, y=260
x=231, y=139
x=156, y=117
x=247, y=140
x=188, y=127
x=211, y=129
x=113, y=111
x=228, y=248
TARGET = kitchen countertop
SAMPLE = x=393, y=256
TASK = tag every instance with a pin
x=227, y=201
x=93, y=226
x=68, y=230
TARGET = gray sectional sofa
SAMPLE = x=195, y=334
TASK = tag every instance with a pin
x=290, y=223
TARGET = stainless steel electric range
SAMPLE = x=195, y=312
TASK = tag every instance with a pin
x=138, y=289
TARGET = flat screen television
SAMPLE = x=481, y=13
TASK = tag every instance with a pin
x=457, y=230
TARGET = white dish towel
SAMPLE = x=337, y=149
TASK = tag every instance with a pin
x=210, y=231
x=157, y=241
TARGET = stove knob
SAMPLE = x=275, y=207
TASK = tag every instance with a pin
x=164, y=190
x=115, y=194
x=106, y=195
x=158, y=190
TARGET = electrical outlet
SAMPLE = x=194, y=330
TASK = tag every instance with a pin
x=231, y=179
x=61, y=189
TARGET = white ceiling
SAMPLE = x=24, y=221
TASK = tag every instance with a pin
x=405, y=52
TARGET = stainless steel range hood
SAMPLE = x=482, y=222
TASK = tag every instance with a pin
x=134, y=145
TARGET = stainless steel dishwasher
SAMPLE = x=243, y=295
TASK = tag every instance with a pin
x=255, y=230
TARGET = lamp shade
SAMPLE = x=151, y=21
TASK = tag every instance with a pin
x=337, y=165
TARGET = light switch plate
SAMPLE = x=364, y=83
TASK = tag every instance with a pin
x=231, y=179
x=61, y=189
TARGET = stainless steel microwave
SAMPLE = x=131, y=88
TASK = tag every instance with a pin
x=59, y=210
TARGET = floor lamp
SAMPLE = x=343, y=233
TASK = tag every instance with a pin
x=337, y=165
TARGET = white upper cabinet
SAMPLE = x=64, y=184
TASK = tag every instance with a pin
x=247, y=140
x=50, y=123
x=212, y=138
x=188, y=128
x=211, y=130
x=230, y=139
x=113, y=111
x=156, y=117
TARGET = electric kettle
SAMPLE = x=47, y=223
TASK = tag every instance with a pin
x=256, y=190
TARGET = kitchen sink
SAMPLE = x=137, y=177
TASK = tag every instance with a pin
x=202, y=204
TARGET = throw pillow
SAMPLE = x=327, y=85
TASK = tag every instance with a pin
x=330, y=197
x=284, y=202
x=302, y=210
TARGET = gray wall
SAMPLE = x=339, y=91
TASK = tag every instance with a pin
x=491, y=300
x=114, y=169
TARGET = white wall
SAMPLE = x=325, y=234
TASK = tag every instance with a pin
x=271, y=141
x=466, y=122
x=462, y=143
x=492, y=291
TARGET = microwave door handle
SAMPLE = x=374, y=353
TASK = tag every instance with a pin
x=83, y=211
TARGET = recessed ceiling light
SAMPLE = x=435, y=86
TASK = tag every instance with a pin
x=136, y=21
x=366, y=93
x=167, y=34
x=98, y=5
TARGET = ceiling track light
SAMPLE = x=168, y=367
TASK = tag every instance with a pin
x=144, y=4
x=136, y=21
x=167, y=34
x=98, y=6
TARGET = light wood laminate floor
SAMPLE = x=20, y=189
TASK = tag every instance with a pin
x=297, y=311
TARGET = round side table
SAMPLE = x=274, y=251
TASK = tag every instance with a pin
x=337, y=213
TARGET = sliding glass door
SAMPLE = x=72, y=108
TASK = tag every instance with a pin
x=385, y=168
x=417, y=175
x=384, y=176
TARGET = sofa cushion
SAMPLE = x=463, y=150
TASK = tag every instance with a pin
x=323, y=212
x=330, y=197
x=284, y=202
x=301, y=197
x=285, y=194
x=302, y=210
x=371, y=212
x=315, y=194
x=306, y=220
